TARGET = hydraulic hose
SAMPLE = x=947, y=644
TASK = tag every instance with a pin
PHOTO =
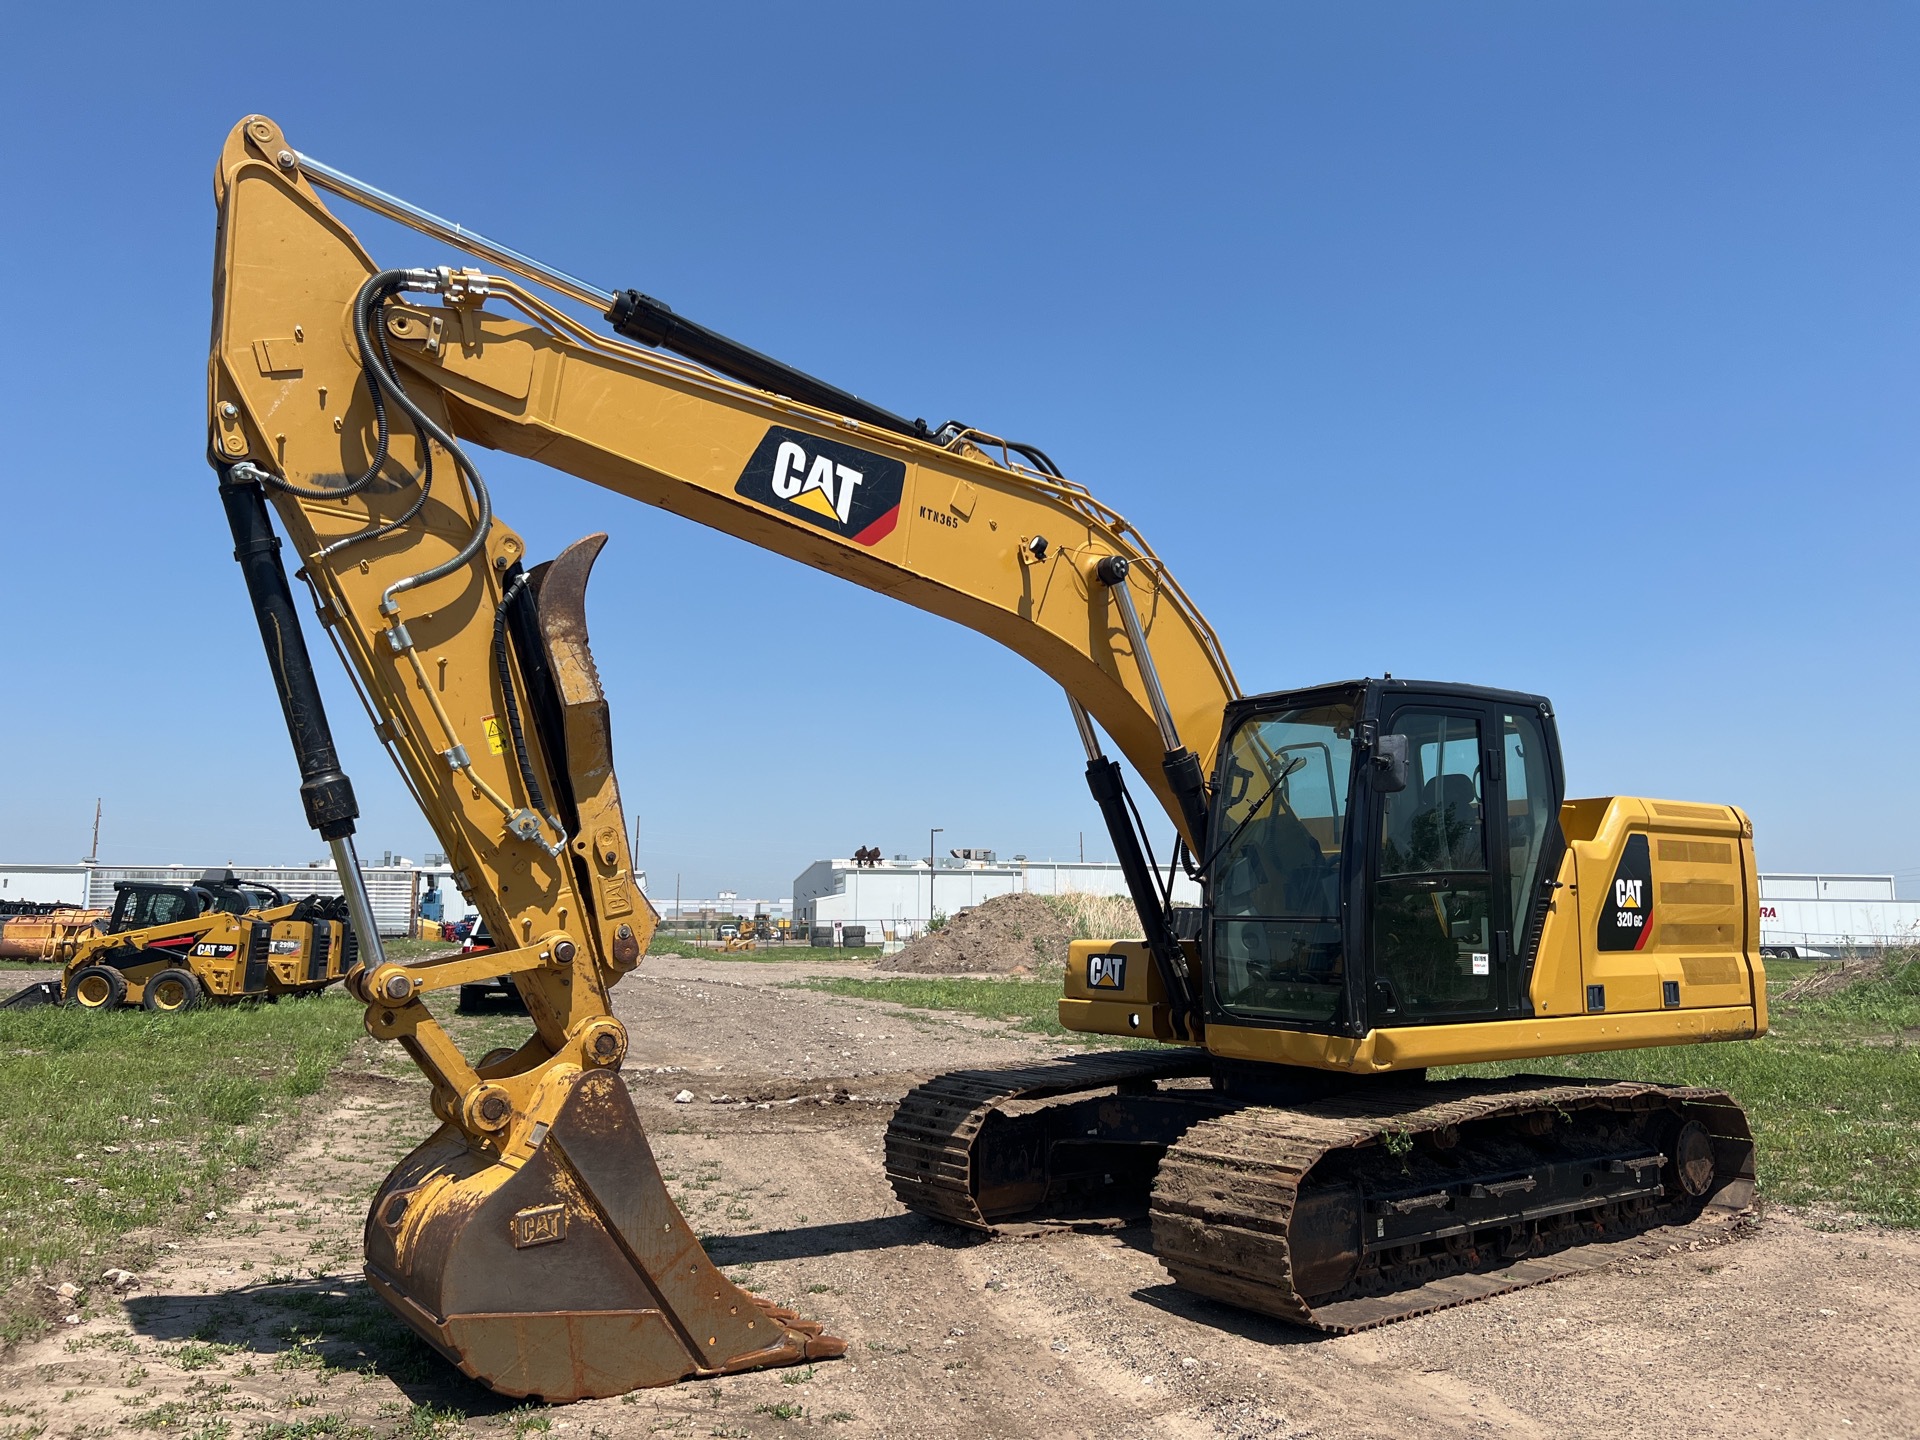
x=426, y=461
x=370, y=371
x=372, y=296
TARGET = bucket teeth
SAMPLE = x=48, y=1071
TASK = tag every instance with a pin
x=571, y=1274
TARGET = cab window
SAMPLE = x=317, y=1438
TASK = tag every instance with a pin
x=1530, y=810
x=1433, y=944
x=1281, y=808
x=139, y=908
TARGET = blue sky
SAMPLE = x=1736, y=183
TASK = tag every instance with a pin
x=1570, y=348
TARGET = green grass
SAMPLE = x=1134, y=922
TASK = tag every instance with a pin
x=1783, y=972
x=80, y=1173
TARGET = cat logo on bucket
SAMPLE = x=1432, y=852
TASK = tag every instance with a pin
x=1106, y=972
x=852, y=492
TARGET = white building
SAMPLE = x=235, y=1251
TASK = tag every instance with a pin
x=45, y=884
x=896, y=897
x=1822, y=914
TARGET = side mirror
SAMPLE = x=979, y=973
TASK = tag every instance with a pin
x=1387, y=763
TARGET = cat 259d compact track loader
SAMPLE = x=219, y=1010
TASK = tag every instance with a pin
x=1392, y=877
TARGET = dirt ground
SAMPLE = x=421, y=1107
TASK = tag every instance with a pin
x=261, y=1321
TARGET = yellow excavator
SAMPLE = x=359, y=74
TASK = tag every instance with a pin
x=1392, y=878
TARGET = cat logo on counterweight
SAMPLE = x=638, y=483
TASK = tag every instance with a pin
x=1107, y=972
x=852, y=492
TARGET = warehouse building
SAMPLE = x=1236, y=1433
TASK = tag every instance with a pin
x=894, y=898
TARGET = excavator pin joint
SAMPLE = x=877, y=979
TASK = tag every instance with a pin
x=626, y=949
x=488, y=1108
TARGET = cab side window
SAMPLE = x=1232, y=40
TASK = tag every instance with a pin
x=1432, y=917
x=1530, y=810
x=169, y=906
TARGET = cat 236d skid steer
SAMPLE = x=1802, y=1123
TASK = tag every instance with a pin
x=1392, y=877
x=167, y=948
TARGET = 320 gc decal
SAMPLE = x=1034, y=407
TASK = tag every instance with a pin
x=1626, y=914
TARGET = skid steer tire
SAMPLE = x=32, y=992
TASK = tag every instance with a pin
x=172, y=991
x=96, y=987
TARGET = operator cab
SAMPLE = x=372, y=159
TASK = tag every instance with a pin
x=139, y=904
x=1379, y=855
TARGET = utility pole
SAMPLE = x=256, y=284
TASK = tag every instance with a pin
x=933, y=868
x=676, y=894
x=95, y=855
x=1083, y=847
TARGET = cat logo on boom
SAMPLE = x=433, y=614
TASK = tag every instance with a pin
x=1626, y=919
x=852, y=492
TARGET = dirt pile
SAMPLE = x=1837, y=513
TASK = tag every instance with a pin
x=1895, y=966
x=1014, y=935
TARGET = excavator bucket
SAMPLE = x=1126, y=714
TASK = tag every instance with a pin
x=573, y=1275
x=556, y=1264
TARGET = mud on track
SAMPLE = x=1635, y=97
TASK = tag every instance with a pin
x=1785, y=1331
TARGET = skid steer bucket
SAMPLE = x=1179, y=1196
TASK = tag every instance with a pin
x=573, y=1275
x=41, y=992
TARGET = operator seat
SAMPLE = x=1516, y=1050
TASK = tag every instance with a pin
x=1455, y=803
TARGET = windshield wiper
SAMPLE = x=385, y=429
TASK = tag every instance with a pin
x=1285, y=770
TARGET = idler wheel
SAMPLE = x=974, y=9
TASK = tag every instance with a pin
x=1693, y=1159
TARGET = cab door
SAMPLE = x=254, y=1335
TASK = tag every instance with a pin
x=1440, y=922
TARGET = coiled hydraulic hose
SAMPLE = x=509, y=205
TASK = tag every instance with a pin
x=425, y=476
x=370, y=370
x=374, y=294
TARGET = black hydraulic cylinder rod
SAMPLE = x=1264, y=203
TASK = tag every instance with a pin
x=647, y=320
x=1109, y=788
x=325, y=791
x=1190, y=791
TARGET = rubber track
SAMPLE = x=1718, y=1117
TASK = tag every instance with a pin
x=1225, y=1191
x=929, y=1151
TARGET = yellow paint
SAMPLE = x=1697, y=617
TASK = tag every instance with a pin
x=816, y=500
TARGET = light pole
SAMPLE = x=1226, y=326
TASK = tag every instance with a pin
x=933, y=864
